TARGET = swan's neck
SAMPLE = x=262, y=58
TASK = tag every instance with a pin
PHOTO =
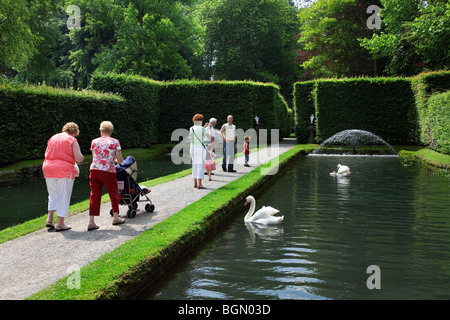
x=251, y=210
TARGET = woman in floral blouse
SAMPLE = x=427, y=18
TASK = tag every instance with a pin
x=105, y=150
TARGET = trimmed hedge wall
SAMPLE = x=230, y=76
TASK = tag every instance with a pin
x=383, y=106
x=142, y=95
x=31, y=115
x=181, y=100
x=142, y=110
x=439, y=121
x=173, y=104
x=284, y=115
x=304, y=106
x=424, y=85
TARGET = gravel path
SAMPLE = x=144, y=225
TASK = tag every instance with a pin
x=30, y=263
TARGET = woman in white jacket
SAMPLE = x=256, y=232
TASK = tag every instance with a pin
x=198, y=152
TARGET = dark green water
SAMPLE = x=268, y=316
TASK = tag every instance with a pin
x=385, y=214
x=25, y=198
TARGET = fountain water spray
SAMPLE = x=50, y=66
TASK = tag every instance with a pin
x=355, y=142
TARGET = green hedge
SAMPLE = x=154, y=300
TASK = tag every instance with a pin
x=284, y=116
x=31, y=115
x=140, y=117
x=424, y=85
x=173, y=104
x=303, y=108
x=142, y=110
x=439, y=122
x=181, y=100
x=383, y=106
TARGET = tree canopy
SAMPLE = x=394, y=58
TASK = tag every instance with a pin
x=280, y=41
x=330, y=30
x=415, y=36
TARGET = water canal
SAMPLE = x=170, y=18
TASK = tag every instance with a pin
x=25, y=198
x=385, y=214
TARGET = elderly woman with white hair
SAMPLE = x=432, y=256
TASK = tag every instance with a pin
x=210, y=136
x=105, y=151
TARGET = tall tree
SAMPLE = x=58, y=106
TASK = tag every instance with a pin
x=151, y=38
x=330, y=30
x=49, y=63
x=415, y=36
x=252, y=40
x=17, y=42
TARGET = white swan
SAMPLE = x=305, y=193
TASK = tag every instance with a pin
x=342, y=171
x=265, y=215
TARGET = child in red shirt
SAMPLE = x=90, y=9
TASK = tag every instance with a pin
x=246, y=150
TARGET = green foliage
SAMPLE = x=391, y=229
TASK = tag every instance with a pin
x=330, y=30
x=142, y=96
x=50, y=63
x=439, y=119
x=147, y=112
x=424, y=85
x=251, y=40
x=171, y=105
x=181, y=100
x=284, y=116
x=383, y=106
x=303, y=108
x=151, y=38
x=414, y=37
x=31, y=115
x=17, y=43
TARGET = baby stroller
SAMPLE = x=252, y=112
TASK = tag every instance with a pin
x=129, y=189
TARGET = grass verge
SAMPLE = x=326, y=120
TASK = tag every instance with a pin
x=430, y=157
x=119, y=273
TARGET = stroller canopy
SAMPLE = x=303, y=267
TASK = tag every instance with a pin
x=127, y=167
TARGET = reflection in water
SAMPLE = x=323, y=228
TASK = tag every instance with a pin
x=384, y=214
x=263, y=231
x=25, y=198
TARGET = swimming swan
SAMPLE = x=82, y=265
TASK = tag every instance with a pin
x=265, y=215
x=342, y=171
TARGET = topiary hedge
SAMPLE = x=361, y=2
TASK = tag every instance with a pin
x=143, y=111
x=173, y=104
x=383, y=106
x=181, y=100
x=303, y=108
x=438, y=117
x=424, y=85
x=141, y=114
x=31, y=115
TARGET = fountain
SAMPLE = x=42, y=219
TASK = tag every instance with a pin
x=355, y=142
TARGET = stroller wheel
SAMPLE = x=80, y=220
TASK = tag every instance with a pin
x=131, y=213
x=149, y=207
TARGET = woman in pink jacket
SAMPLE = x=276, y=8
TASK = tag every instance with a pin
x=60, y=170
